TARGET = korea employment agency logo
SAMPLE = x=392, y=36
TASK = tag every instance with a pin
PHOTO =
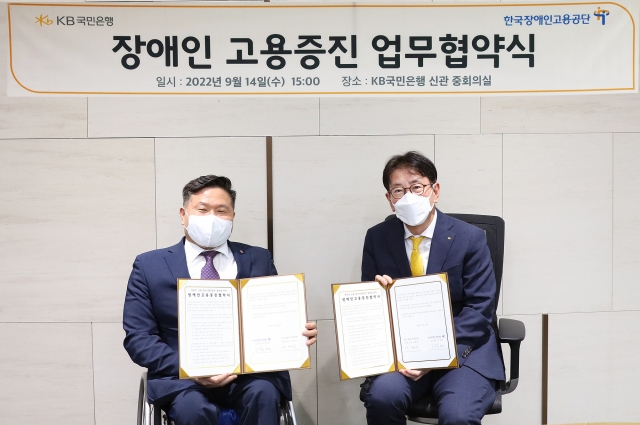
x=43, y=20
x=601, y=15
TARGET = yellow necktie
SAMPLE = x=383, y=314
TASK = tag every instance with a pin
x=417, y=266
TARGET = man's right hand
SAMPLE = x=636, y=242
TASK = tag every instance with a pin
x=384, y=280
x=216, y=381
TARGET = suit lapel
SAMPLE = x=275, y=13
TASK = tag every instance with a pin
x=395, y=238
x=441, y=243
x=243, y=260
x=177, y=261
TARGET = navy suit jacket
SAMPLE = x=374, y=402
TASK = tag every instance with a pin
x=150, y=317
x=459, y=249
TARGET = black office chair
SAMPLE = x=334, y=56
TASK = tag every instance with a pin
x=148, y=414
x=508, y=331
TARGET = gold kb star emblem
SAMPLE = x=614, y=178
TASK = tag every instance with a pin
x=43, y=20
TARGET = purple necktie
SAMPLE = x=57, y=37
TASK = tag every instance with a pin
x=209, y=271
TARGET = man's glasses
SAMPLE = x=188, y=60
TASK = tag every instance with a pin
x=416, y=189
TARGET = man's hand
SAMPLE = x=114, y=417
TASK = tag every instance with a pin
x=216, y=381
x=384, y=279
x=311, y=333
x=413, y=374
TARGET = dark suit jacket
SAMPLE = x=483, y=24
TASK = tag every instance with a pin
x=459, y=249
x=150, y=316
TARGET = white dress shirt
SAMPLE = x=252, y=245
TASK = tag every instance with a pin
x=425, y=244
x=224, y=262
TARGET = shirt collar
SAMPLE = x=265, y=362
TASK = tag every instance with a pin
x=428, y=232
x=192, y=250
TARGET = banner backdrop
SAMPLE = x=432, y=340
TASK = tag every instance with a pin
x=252, y=48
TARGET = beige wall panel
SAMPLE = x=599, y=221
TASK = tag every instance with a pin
x=557, y=206
x=46, y=373
x=202, y=116
x=327, y=191
x=115, y=377
x=626, y=222
x=242, y=159
x=561, y=114
x=592, y=377
x=399, y=115
x=338, y=401
x=470, y=173
x=305, y=391
x=75, y=213
x=27, y=117
x=524, y=405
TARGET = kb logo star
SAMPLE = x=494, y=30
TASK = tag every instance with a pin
x=43, y=20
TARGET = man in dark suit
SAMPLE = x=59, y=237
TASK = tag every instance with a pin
x=150, y=317
x=422, y=240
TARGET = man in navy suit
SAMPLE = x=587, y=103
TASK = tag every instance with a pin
x=422, y=240
x=150, y=317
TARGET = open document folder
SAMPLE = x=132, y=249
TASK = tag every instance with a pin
x=406, y=325
x=242, y=326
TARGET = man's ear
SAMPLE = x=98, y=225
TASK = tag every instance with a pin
x=183, y=217
x=390, y=203
x=436, y=192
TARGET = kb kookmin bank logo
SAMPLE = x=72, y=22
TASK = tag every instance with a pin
x=43, y=20
x=67, y=21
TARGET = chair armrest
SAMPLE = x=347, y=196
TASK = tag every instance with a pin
x=511, y=332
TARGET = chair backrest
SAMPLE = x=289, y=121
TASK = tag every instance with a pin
x=493, y=227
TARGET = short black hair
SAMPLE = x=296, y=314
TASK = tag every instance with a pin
x=203, y=182
x=413, y=161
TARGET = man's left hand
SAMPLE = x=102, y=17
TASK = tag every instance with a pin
x=311, y=333
x=413, y=374
x=216, y=381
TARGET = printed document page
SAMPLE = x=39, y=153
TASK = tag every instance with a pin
x=363, y=331
x=422, y=321
x=209, y=342
x=274, y=315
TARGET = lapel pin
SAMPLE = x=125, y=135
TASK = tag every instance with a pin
x=448, y=237
x=242, y=252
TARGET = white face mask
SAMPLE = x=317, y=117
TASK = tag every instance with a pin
x=412, y=209
x=208, y=231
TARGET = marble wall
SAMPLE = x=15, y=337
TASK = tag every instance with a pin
x=87, y=184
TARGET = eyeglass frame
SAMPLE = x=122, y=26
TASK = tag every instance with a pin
x=405, y=189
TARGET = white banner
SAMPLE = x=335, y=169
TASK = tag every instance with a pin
x=318, y=49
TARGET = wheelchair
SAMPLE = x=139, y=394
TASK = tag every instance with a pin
x=148, y=414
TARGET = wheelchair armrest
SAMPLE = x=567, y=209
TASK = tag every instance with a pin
x=143, y=404
x=511, y=332
x=292, y=414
